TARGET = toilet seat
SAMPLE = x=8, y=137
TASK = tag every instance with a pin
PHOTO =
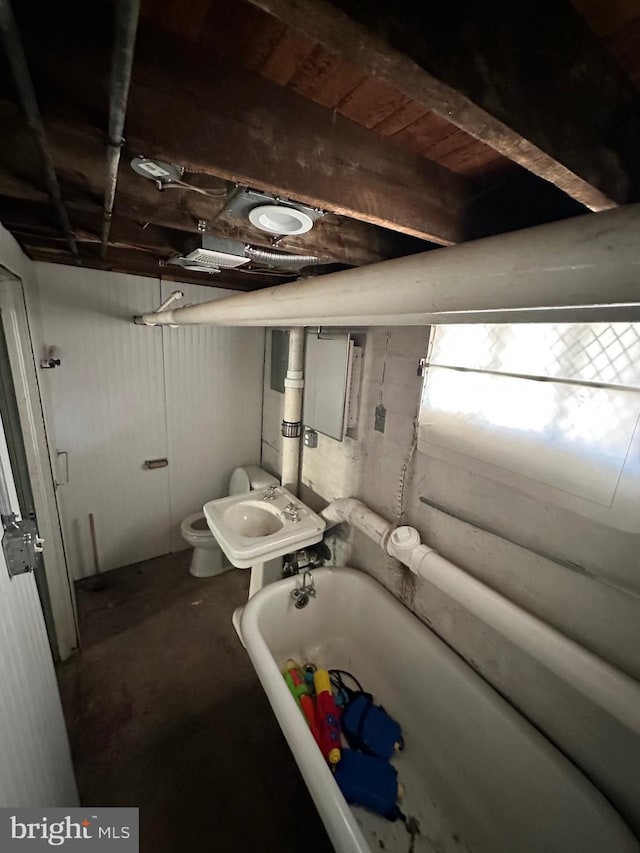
x=196, y=526
x=208, y=559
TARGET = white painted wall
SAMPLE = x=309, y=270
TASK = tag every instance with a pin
x=127, y=393
x=213, y=377
x=594, y=602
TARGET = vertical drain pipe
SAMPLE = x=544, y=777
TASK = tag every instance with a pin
x=125, y=38
x=292, y=423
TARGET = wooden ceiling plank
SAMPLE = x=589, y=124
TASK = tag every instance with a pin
x=401, y=118
x=239, y=32
x=286, y=57
x=371, y=103
x=339, y=85
x=260, y=134
x=577, y=126
x=314, y=72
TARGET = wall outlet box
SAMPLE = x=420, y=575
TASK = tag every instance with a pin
x=310, y=438
x=381, y=417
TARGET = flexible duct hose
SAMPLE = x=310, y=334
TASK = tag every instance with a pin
x=280, y=260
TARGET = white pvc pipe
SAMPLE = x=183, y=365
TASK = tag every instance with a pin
x=602, y=683
x=361, y=517
x=577, y=269
x=292, y=416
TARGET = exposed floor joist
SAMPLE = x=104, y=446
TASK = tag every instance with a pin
x=78, y=153
x=220, y=119
x=528, y=80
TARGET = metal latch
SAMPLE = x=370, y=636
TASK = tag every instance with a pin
x=20, y=544
x=423, y=364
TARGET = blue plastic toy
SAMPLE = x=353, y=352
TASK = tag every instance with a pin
x=369, y=782
x=368, y=727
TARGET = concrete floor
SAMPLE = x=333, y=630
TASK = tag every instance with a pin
x=166, y=713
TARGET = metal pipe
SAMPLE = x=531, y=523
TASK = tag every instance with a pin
x=551, y=271
x=27, y=96
x=127, y=14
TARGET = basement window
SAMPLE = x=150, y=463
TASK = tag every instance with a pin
x=550, y=409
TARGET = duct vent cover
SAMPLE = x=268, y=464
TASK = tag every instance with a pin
x=212, y=258
x=215, y=252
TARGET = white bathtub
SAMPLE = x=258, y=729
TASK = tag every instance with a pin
x=477, y=776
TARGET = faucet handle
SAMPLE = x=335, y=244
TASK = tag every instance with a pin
x=271, y=493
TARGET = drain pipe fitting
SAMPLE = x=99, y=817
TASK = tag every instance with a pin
x=361, y=517
x=292, y=421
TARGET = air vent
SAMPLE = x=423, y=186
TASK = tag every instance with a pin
x=213, y=258
x=213, y=255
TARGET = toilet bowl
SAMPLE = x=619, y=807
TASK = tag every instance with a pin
x=208, y=559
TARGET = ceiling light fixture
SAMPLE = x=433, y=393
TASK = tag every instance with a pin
x=280, y=219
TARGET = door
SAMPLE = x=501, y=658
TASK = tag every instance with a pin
x=22, y=414
x=107, y=412
x=35, y=761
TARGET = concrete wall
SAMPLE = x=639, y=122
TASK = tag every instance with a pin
x=588, y=591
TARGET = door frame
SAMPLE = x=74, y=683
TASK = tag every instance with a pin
x=27, y=390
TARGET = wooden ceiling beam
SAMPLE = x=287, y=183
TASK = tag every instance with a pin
x=216, y=117
x=529, y=80
x=78, y=152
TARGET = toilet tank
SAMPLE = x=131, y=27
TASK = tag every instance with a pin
x=250, y=477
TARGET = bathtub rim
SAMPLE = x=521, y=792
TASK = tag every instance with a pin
x=342, y=827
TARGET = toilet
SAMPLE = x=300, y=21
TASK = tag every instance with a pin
x=208, y=559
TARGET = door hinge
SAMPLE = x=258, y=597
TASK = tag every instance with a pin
x=20, y=544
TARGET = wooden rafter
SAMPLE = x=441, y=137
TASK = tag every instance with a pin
x=217, y=117
x=529, y=80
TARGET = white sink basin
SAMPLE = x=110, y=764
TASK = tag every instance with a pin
x=252, y=519
x=259, y=526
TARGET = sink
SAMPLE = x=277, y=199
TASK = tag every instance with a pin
x=255, y=527
x=250, y=518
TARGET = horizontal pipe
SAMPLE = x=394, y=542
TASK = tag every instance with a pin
x=589, y=675
x=594, y=678
x=540, y=273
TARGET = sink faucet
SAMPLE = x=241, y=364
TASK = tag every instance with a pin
x=292, y=511
x=271, y=493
